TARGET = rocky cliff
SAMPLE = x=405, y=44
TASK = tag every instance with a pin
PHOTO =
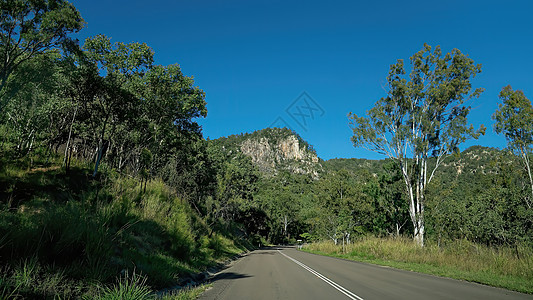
x=275, y=149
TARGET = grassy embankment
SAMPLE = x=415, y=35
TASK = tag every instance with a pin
x=67, y=236
x=463, y=260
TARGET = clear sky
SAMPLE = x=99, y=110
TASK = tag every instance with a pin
x=264, y=62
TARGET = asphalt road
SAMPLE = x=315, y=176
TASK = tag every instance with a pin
x=286, y=273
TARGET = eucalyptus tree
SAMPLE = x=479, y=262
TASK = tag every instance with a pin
x=337, y=191
x=236, y=187
x=514, y=119
x=385, y=187
x=345, y=206
x=28, y=28
x=122, y=67
x=33, y=91
x=423, y=115
x=171, y=104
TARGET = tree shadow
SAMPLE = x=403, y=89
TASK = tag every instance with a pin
x=277, y=247
x=49, y=183
x=264, y=252
x=229, y=276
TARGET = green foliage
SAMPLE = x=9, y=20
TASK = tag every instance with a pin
x=28, y=28
x=480, y=197
x=514, y=120
x=423, y=115
x=106, y=106
x=134, y=288
x=105, y=100
x=353, y=165
x=391, y=208
x=186, y=293
x=477, y=195
x=34, y=103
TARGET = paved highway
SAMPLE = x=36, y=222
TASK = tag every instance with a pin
x=285, y=273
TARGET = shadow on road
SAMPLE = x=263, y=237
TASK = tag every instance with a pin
x=229, y=275
x=266, y=250
x=279, y=247
x=263, y=252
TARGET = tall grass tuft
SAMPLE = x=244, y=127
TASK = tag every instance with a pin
x=128, y=287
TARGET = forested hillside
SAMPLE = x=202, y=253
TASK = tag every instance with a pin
x=480, y=194
x=352, y=197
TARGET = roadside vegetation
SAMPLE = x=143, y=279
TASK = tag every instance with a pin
x=64, y=236
x=104, y=175
x=505, y=267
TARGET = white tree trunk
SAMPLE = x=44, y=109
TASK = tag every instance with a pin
x=416, y=200
x=419, y=233
x=397, y=229
x=528, y=167
x=69, y=137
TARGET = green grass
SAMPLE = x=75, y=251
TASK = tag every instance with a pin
x=67, y=236
x=464, y=260
x=186, y=293
x=128, y=287
x=134, y=287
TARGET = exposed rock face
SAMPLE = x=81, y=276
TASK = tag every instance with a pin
x=287, y=154
x=273, y=150
x=260, y=152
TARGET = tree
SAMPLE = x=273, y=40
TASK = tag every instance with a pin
x=237, y=184
x=514, y=119
x=343, y=205
x=29, y=27
x=122, y=67
x=423, y=115
x=33, y=91
x=336, y=191
x=171, y=103
x=145, y=160
x=392, y=209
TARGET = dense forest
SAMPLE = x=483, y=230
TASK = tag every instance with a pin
x=104, y=169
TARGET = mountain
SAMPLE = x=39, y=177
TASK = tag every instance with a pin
x=273, y=150
x=353, y=164
x=475, y=159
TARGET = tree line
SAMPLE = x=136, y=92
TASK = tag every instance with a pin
x=103, y=101
x=424, y=116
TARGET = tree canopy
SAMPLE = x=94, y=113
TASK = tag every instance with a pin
x=423, y=115
x=514, y=119
x=29, y=27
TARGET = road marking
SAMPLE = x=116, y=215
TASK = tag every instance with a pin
x=337, y=286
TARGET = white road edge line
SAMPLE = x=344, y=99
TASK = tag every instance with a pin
x=335, y=285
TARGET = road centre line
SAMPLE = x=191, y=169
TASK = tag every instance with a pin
x=337, y=286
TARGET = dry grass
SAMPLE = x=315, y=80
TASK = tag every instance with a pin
x=461, y=259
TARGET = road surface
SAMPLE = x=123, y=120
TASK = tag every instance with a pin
x=286, y=273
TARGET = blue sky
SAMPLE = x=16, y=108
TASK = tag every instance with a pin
x=254, y=59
